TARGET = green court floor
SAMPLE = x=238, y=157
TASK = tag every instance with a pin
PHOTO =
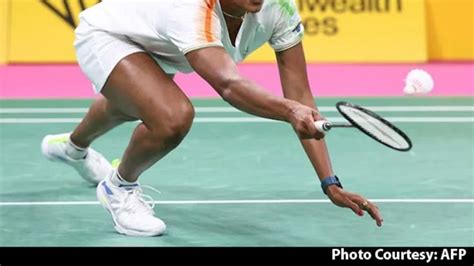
x=241, y=181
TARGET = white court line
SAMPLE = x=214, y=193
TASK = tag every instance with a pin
x=246, y=201
x=244, y=120
x=42, y=110
x=337, y=119
x=233, y=110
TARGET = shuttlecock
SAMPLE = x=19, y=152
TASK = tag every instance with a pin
x=418, y=81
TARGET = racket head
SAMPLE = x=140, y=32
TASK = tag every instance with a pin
x=375, y=126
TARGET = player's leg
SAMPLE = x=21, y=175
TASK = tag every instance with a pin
x=101, y=117
x=139, y=88
x=74, y=149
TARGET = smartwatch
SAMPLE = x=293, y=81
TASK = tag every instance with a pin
x=328, y=181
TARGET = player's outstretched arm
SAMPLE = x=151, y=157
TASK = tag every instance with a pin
x=217, y=68
x=294, y=80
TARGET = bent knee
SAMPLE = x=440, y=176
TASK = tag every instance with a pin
x=179, y=122
x=175, y=123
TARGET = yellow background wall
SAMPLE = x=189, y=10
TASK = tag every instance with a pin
x=38, y=34
x=361, y=33
x=450, y=29
x=3, y=31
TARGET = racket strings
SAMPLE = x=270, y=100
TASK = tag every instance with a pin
x=375, y=127
x=379, y=129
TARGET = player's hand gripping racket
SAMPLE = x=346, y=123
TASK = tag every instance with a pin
x=371, y=124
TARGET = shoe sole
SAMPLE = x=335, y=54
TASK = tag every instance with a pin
x=101, y=195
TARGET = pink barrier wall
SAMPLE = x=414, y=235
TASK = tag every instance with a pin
x=67, y=81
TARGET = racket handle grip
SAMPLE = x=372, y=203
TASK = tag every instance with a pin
x=322, y=125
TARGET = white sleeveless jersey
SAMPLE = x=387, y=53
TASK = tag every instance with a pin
x=168, y=29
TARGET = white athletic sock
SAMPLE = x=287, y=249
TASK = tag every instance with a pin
x=74, y=151
x=118, y=181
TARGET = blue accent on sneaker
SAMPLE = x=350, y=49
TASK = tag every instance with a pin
x=107, y=189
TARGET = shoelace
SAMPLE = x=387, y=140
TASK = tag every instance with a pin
x=136, y=201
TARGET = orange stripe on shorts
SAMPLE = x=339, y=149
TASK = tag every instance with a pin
x=208, y=20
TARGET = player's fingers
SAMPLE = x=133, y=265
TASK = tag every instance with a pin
x=317, y=116
x=367, y=206
x=303, y=132
x=360, y=201
x=309, y=125
x=372, y=209
x=314, y=131
x=353, y=206
x=374, y=212
x=357, y=199
x=306, y=129
x=319, y=135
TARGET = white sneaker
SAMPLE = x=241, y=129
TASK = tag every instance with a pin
x=93, y=168
x=131, y=214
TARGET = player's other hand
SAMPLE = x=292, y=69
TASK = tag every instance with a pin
x=302, y=119
x=353, y=201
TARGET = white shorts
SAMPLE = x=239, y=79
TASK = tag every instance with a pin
x=98, y=52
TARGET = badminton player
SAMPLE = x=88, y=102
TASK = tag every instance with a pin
x=130, y=51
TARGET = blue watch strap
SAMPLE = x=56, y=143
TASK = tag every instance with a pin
x=328, y=181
